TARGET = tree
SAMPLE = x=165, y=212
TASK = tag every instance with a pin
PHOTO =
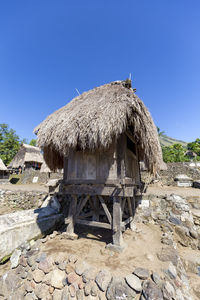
x=194, y=146
x=33, y=142
x=160, y=133
x=9, y=143
x=174, y=153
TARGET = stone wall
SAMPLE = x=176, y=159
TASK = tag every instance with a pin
x=29, y=174
x=174, y=169
x=22, y=199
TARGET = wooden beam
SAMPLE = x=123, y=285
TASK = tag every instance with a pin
x=93, y=224
x=96, y=209
x=130, y=206
x=81, y=205
x=105, y=209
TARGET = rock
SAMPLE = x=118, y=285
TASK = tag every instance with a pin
x=57, y=294
x=69, y=268
x=134, y=282
x=72, y=290
x=151, y=291
x=42, y=291
x=182, y=233
x=196, y=289
x=45, y=265
x=194, y=234
x=103, y=279
x=47, y=279
x=30, y=296
x=174, y=220
x=168, y=291
x=14, y=259
x=94, y=290
x=38, y=276
x=62, y=265
x=87, y=288
x=9, y=283
x=57, y=277
x=172, y=271
x=73, y=258
x=72, y=277
x=80, y=295
x=41, y=257
x=141, y=273
x=89, y=274
x=168, y=254
x=23, y=261
x=118, y=289
x=156, y=278
x=80, y=267
x=65, y=293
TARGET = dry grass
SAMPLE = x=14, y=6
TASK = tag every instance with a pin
x=96, y=118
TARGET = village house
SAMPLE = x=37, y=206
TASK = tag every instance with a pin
x=100, y=137
x=27, y=157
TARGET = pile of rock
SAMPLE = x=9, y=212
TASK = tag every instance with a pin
x=22, y=199
x=36, y=275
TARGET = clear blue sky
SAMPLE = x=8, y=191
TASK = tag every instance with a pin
x=49, y=48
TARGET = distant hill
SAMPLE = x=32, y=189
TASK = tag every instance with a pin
x=168, y=141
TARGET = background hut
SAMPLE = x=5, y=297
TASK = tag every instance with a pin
x=3, y=170
x=100, y=137
x=27, y=157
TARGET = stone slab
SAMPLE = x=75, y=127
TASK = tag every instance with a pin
x=20, y=226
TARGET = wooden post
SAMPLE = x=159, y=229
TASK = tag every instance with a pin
x=71, y=216
x=118, y=244
x=95, y=216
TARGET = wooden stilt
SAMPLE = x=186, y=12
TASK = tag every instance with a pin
x=95, y=216
x=131, y=212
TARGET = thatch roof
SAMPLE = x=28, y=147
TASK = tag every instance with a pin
x=92, y=120
x=2, y=166
x=44, y=168
x=26, y=153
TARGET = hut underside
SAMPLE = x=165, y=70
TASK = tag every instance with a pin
x=101, y=187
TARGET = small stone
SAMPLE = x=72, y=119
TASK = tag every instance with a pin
x=69, y=268
x=172, y=271
x=194, y=234
x=141, y=273
x=29, y=276
x=72, y=277
x=57, y=294
x=41, y=257
x=94, y=290
x=62, y=266
x=23, y=261
x=42, y=291
x=57, y=277
x=89, y=274
x=72, y=290
x=174, y=220
x=87, y=288
x=72, y=258
x=118, y=289
x=14, y=259
x=168, y=291
x=80, y=295
x=168, y=254
x=51, y=290
x=134, y=282
x=80, y=267
x=44, y=240
x=30, y=261
x=103, y=279
x=156, y=278
x=45, y=266
x=47, y=279
x=151, y=291
x=65, y=293
x=38, y=276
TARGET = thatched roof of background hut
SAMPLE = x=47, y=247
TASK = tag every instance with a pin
x=92, y=120
x=2, y=166
x=26, y=153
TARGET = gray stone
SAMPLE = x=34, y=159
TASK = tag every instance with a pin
x=172, y=271
x=65, y=293
x=174, y=220
x=80, y=295
x=156, y=278
x=151, y=291
x=168, y=291
x=134, y=282
x=80, y=267
x=118, y=289
x=89, y=274
x=194, y=234
x=14, y=259
x=103, y=279
x=168, y=254
x=141, y=273
x=42, y=291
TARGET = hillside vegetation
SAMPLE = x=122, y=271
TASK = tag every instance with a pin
x=168, y=141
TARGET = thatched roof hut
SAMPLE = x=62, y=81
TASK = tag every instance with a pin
x=94, y=119
x=26, y=155
x=2, y=166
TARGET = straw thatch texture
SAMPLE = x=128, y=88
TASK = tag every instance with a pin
x=2, y=166
x=26, y=153
x=92, y=120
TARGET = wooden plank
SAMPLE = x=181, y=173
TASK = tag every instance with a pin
x=127, y=221
x=105, y=209
x=93, y=224
x=123, y=204
x=97, y=190
x=82, y=204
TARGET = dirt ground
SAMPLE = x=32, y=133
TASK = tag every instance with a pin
x=24, y=187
